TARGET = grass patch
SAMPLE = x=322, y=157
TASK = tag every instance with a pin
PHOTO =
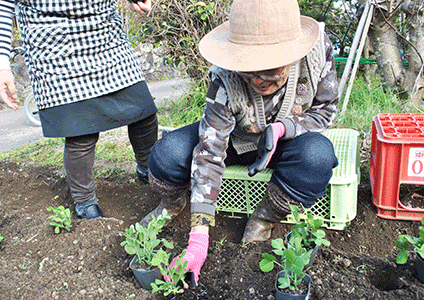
x=114, y=152
x=184, y=110
x=46, y=152
x=368, y=101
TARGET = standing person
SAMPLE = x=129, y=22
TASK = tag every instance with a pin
x=86, y=79
x=272, y=92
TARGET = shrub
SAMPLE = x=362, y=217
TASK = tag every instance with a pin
x=181, y=24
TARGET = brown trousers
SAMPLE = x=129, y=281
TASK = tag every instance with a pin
x=80, y=150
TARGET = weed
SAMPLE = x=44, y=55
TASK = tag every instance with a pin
x=244, y=244
x=336, y=258
x=360, y=269
x=25, y=264
x=17, y=240
x=221, y=242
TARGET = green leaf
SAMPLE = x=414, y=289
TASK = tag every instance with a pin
x=131, y=250
x=283, y=282
x=402, y=245
x=267, y=262
x=278, y=243
x=318, y=223
x=402, y=257
x=167, y=244
x=326, y=243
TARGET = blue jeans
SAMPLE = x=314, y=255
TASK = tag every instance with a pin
x=302, y=166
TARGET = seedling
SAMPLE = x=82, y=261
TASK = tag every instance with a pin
x=142, y=241
x=61, y=218
x=294, y=259
x=1, y=237
x=307, y=230
x=417, y=243
x=174, y=276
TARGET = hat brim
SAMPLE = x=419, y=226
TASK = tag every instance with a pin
x=216, y=48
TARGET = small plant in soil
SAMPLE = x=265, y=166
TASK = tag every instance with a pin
x=175, y=276
x=293, y=259
x=61, y=218
x=404, y=241
x=143, y=241
x=307, y=229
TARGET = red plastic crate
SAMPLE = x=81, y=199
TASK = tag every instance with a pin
x=397, y=157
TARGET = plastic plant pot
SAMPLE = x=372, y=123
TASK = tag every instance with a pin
x=284, y=296
x=419, y=264
x=313, y=254
x=143, y=276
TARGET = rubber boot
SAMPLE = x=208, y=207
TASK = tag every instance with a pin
x=272, y=209
x=173, y=199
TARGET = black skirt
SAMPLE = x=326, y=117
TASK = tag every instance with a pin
x=113, y=110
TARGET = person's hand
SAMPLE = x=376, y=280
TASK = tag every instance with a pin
x=141, y=6
x=8, y=90
x=266, y=147
x=196, y=253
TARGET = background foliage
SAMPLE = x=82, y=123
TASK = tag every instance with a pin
x=180, y=24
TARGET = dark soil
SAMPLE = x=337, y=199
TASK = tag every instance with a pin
x=89, y=263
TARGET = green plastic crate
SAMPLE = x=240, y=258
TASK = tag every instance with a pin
x=240, y=193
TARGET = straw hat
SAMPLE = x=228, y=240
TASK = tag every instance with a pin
x=260, y=35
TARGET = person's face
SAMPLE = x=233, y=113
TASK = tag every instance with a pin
x=266, y=82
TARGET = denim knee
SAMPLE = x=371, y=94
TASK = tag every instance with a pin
x=171, y=156
x=304, y=167
x=318, y=153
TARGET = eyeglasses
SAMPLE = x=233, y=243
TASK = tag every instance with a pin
x=273, y=75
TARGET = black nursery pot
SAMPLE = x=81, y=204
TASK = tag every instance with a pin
x=284, y=296
x=419, y=264
x=143, y=276
x=313, y=254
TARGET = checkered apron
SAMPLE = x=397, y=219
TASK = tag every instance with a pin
x=75, y=50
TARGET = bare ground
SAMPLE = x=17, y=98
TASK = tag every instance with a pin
x=89, y=263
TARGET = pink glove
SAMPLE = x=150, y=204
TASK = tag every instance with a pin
x=266, y=147
x=196, y=253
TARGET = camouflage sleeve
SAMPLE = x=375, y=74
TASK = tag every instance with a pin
x=208, y=166
x=325, y=103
